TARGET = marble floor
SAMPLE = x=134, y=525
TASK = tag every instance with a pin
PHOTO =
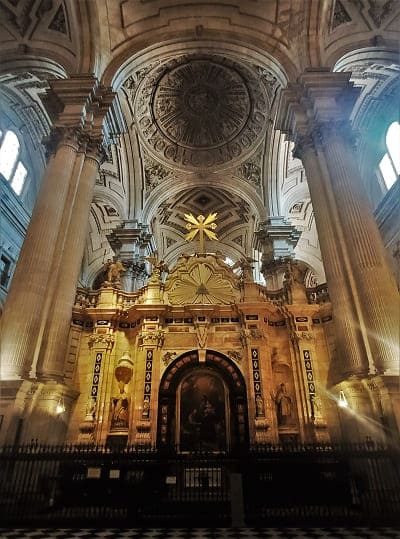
x=201, y=533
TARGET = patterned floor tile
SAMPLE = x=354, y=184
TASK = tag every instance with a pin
x=202, y=533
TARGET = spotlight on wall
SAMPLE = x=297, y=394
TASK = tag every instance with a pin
x=60, y=408
x=342, y=400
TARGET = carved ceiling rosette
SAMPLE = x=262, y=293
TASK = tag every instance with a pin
x=202, y=281
x=202, y=112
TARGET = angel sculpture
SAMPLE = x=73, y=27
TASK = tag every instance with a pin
x=246, y=265
x=159, y=266
x=114, y=270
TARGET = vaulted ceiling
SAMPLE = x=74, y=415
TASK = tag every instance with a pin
x=198, y=87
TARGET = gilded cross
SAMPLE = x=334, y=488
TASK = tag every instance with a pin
x=202, y=225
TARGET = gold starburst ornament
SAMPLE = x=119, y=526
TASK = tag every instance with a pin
x=202, y=225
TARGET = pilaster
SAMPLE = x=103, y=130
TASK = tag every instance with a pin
x=150, y=342
x=94, y=425
x=310, y=402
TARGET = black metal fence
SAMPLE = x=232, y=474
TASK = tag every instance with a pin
x=70, y=485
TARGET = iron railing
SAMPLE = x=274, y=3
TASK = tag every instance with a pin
x=74, y=485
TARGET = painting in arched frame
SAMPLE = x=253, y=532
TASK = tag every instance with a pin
x=202, y=412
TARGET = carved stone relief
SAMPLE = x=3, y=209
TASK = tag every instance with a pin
x=340, y=15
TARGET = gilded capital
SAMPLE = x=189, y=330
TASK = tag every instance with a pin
x=101, y=340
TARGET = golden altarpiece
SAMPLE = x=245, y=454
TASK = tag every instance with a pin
x=202, y=357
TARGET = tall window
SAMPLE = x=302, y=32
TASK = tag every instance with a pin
x=390, y=162
x=11, y=167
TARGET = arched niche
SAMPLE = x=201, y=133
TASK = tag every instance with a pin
x=284, y=396
x=202, y=405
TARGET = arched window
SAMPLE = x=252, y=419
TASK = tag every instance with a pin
x=390, y=162
x=393, y=145
x=8, y=154
x=11, y=167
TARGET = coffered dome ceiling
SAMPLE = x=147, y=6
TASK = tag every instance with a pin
x=234, y=224
x=198, y=86
x=201, y=112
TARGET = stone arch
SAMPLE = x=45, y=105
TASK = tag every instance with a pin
x=133, y=58
x=53, y=33
x=228, y=388
x=170, y=187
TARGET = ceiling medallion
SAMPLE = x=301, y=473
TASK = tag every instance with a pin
x=201, y=104
x=198, y=113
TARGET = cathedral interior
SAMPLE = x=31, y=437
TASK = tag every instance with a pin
x=200, y=231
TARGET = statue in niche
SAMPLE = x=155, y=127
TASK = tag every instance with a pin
x=284, y=405
x=260, y=412
x=120, y=417
x=120, y=403
x=146, y=408
x=91, y=409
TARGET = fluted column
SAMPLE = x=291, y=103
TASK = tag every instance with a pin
x=315, y=113
x=37, y=273
x=52, y=354
x=21, y=320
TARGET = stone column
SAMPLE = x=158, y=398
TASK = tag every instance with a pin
x=52, y=354
x=22, y=321
x=315, y=113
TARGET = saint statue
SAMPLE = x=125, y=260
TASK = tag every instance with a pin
x=158, y=268
x=259, y=406
x=293, y=283
x=120, y=403
x=284, y=405
x=120, y=412
x=246, y=266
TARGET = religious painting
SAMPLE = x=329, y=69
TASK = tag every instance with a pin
x=202, y=412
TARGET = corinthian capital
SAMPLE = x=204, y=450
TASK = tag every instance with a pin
x=337, y=128
x=317, y=98
x=96, y=149
x=69, y=136
x=77, y=107
x=303, y=144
